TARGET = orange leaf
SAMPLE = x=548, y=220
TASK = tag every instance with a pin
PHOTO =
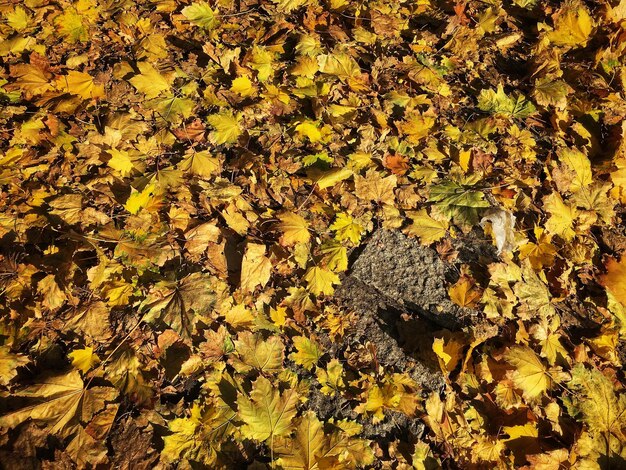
x=615, y=279
x=464, y=292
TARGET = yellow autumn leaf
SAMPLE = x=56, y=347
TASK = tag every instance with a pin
x=149, y=81
x=374, y=187
x=288, y=6
x=579, y=163
x=200, y=14
x=307, y=352
x=80, y=84
x=449, y=351
x=309, y=446
x=256, y=268
x=335, y=256
x=427, y=229
x=18, y=18
x=84, y=359
x=266, y=412
x=294, y=228
x=309, y=130
x=59, y=402
x=331, y=378
x=572, y=25
x=464, y=292
x=140, y=199
x=201, y=163
x=120, y=161
x=70, y=26
x=416, y=127
x=347, y=228
x=242, y=86
x=530, y=375
x=562, y=216
x=31, y=78
x=53, y=295
x=255, y=352
x=332, y=177
x=320, y=280
x=9, y=363
x=226, y=128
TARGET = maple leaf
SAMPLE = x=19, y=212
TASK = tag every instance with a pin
x=458, y=201
x=61, y=402
x=294, y=227
x=572, y=25
x=580, y=165
x=374, y=187
x=243, y=86
x=335, y=256
x=308, y=352
x=534, y=294
x=254, y=352
x=141, y=199
x=150, y=82
x=201, y=163
x=124, y=371
x=70, y=26
x=331, y=378
x=549, y=92
x=121, y=162
x=601, y=409
x=256, y=268
x=562, y=216
x=449, y=351
x=265, y=412
x=31, y=78
x=84, y=359
x=416, y=127
x=81, y=84
x=54, y=296
x=320, y=280
x=198, y=437
x=227, y=129
x=179, y=304
x=18, y=19
x=464, y=292
x=308, y=446
x=530, y=375
x=497, y=102
x=347, y=228
x=201, y=14
x=427, y=229
x=340, y=65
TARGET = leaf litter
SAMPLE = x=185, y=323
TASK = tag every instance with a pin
x=312, y=234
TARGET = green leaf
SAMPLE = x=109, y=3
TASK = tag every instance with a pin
x=463, y=203
x=497, y=102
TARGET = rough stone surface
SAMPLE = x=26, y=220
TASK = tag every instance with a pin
x=410, y=277
x=398, y=289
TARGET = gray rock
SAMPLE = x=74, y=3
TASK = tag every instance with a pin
x=397, y=287
x=410, y=277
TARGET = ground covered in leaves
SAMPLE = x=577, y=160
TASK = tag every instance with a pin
x=185, y=186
